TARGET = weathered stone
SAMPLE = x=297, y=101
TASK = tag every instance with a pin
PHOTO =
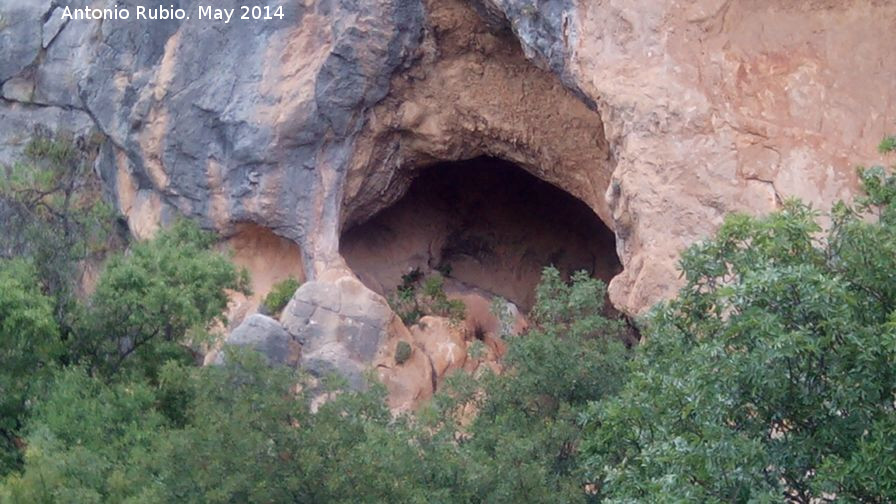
x=341, y=322
x=21, y=120
x=20, y=34
x=661, y=116
x=52, y=27
x=266, y=336
x=331, y=362
x=64, y=63
x=268, y=258
x=443, y=342
x=18, y=89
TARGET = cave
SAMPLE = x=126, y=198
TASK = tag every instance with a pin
x=484, y=224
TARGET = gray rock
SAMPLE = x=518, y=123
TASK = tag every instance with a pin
x=322, y=364
x=546, y=31
x=343, y=341
x=64, y=63
x=18, y=89
x=266, y=336
x=229, y=100
x=20, y=34
x=51, y=28
x=21, y=120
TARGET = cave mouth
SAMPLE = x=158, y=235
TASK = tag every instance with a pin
x=484, y=224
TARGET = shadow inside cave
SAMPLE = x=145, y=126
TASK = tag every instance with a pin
x=484, y=223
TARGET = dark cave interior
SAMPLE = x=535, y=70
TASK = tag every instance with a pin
x=483, y=223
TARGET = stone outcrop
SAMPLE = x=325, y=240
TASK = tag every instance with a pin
x=660, y=116
x=441, y=346
x=269, y=258
x=345, y=329
x=714, y=106
x=266, y=336
x=340, y=325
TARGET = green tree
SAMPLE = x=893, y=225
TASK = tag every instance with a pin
x=86, y=441
x=29, y=346
x=239, y=433
x=251, y=437
x=245, y=432
x=151, y=300
x=52, y=213
x=523, y=444
x=147, y=305
x=771, y=376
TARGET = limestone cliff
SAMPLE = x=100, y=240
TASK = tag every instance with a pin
x=660, y=116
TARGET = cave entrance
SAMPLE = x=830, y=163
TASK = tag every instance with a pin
x=483, y=224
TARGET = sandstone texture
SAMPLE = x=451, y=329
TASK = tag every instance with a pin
x=714, y=106
x=286, y=135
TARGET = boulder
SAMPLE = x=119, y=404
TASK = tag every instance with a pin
x=341, y=326
x=266, y=336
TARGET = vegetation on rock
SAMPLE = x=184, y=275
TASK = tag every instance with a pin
x=402, y=352
x=771, y=377
x=420, y=295
x=280, y=295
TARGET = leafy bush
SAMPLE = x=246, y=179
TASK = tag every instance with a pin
x=172, y=438
x=419, y=295
x=437, y=301
x=280, y=295
x=150, y=301
x=52, y=213
x=402, y=352
x=771, y=377
x=29, y=348
x=523, y=443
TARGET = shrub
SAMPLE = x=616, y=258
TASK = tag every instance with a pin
x=402, y=352
x=280, y=295
x=29, y=347
x=522, y=445
x=770, y=377
x=419, y=295
x=52, y=213
x=150, y=302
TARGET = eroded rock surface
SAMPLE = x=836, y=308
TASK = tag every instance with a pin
x=660, y=116
x=482, y=222
x=268, y=258
x=266, y=336
x=340, y=325
x=713, y=106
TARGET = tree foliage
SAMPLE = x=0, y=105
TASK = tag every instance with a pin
x=29, y=346
x=244, y=433
x=772, y=375
x=522, y=444
x=51, y=213
x=280, y=295
x=149, y=301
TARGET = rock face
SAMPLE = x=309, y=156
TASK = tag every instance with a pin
x=660, y=116
x=713, y=106
x=266, y=336
x=270, y=259
x=340, y=326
